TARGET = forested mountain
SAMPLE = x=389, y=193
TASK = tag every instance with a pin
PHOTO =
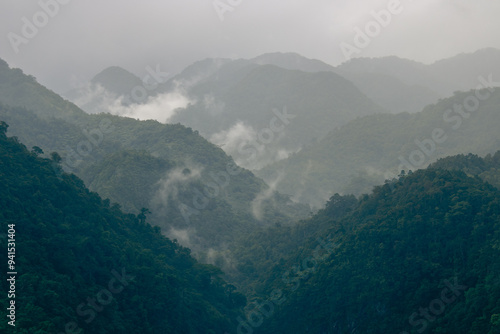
x=487, y=168
x=263, y=109
x=18, y=89
x=262, y=113
x=369, y=150
x=242, y=104
x=408, y=240
x=194, y=190
x=420, y=253
x=82, y=264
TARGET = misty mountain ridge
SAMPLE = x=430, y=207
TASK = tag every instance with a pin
x=177, y=167
x=443, y=77
x=292, y=61
x=231, y=102
x=364, y=264
x=369, y=150
x=270, y=110
x=114, y=90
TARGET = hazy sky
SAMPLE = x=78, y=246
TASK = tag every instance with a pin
x=82, y=37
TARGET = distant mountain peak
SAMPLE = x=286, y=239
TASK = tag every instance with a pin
x=114, y=71
x=292, y=61
x=117, y=80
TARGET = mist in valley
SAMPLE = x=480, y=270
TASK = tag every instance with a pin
x=250, y=167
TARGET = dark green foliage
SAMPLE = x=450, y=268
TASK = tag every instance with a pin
x=264, y=255
x=69, y=242
x=394, y=253
x=487, y=168
x=361, y=265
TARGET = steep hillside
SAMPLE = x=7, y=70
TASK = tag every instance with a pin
x=18, y=89
x=420, y=254
x=82, y=264
x=187, y=183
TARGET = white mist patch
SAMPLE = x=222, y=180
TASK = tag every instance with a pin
x=222, y=259
x=238, y=135
x=168, y=186
x=160, y=108
x=297, y=196
x=182, y=236
x=93, y=98
x=212, y=105
x=246, y=146
x=282, y=154
x=264, y=195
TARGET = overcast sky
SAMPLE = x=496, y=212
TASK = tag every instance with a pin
x=85, y=36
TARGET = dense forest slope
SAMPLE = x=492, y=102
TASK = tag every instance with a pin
x=487, y=168
x=83, y=264
x=418, y=254
x=193, y=189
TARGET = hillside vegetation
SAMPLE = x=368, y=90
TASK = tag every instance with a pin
x=83, y=264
